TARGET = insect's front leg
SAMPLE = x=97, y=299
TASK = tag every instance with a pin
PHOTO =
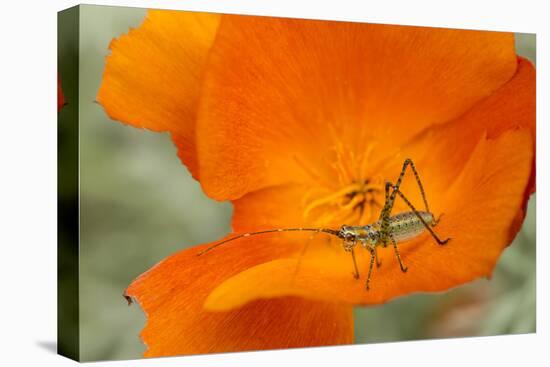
x=349, y=246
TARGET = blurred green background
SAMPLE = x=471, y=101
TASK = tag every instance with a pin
x=139, y=204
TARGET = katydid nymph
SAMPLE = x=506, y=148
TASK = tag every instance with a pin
x=388, y=230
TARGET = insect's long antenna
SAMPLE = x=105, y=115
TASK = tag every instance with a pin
x=324, y=230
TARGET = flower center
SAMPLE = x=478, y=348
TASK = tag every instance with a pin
x=353, y=195
x=354, y=204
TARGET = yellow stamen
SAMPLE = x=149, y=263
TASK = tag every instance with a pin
x=330, y=198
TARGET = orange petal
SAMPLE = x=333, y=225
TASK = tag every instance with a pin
x=447, y=148
x=479, y=209
x=273, y=207
x=172, y=294
x=152, y=77
x=278, y=91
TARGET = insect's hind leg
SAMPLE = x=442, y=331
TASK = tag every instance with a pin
x=388, y=204
x=390, y=198
x=385, y=212
x=403, y=267
x=415, y=172
x=434, y=235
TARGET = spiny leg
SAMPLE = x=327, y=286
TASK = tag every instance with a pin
x=386, y=211
x=386, y=207
x=403, y=268
x=370, y=268
x=356, y=269
x=437, y=239
x=390, y=199
x=410, y=162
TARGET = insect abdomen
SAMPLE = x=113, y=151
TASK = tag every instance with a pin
x=405, y=226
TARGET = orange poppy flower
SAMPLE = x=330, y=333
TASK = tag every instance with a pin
x=300, y=123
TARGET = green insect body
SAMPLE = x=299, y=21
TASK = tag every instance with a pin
x=388, y=230
x=403, y=227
